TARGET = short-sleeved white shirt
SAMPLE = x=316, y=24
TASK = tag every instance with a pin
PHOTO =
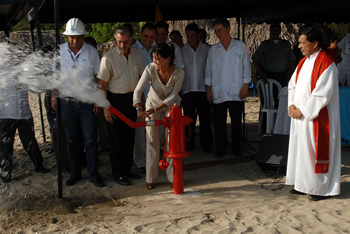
x=78, y=68
x=227, y=71
x=120, y=73
x=194, y=62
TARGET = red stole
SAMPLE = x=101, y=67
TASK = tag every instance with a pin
x=321, y=122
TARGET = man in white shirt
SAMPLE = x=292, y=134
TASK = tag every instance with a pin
x=194, y=100
x=274, y=58
x=162, y=36
x=145, y=46
x=16, y=115
x=119, y=73
x=79, y=66
x=227, y=78
x=344, y=65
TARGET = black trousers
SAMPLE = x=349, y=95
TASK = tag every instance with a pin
x=220, y=118
x=194, y=103
x=51, y=118
x=120, y=136
x=7, y=136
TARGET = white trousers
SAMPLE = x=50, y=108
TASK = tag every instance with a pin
x=153, y=147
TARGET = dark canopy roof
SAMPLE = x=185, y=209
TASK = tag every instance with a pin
x=99, y=11
x=259, y=11
x=13, y=11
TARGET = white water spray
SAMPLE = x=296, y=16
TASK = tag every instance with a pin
x=33, y=71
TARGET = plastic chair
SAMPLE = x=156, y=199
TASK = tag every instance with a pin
x=267, y=106
x=252, y=87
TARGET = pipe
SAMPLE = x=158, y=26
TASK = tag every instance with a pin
x=58, y=110
x=133, y=124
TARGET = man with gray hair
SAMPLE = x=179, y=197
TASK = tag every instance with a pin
x=119, y=73
x=227, y=77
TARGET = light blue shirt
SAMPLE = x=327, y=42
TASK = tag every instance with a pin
x=227, y=71
x=78, y=70
x=146, y=57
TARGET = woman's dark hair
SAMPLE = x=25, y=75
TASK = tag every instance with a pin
x=313, y=33
x=165, y=50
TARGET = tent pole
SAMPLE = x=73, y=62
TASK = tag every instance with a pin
x=58, y=109
x=31, y=23
x=238, y=27
x=37, y=22
x=7, y=34
x=243, y=25
x=40, y=39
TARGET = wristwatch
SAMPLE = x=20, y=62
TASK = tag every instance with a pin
x=138, y=108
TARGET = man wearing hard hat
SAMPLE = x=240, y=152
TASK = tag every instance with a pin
x=79, y=65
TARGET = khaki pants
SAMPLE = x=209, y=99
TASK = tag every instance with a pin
x=153, y=147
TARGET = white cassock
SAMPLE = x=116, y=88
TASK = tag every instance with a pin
x=302, y=152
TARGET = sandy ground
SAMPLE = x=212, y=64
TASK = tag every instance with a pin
x=228, y=198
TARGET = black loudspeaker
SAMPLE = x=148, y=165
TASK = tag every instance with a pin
x=273, y=153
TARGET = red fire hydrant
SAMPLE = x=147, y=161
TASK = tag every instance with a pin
x=177, y=148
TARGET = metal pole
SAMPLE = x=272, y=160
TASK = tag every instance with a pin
x=40, y=39
x=7, y=34
x=238, y=27
x=243, y=26
x=31, y=23
x=58, y=109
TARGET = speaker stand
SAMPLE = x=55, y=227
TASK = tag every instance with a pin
x=244, y=130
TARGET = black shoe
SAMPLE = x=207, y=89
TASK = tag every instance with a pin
x=122, y=180
x=42, y=170
x=71, y=181
x=237, y=153
x=142, y=170
x=98, y=183
x=293, y=191
x=133, y=175
x=219, y=154
x=317, y=198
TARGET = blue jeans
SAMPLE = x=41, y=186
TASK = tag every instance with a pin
x=78, y=119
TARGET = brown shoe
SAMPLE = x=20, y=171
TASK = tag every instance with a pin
x=171, y=184
x=150, y=185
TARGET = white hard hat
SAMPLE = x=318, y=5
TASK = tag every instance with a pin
x=75, y=27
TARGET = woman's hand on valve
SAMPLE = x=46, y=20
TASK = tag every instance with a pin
x=150, y=111
x=141, y=113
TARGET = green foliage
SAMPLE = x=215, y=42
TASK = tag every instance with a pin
x=340, y=30
x=104, y=32
x=22, y=25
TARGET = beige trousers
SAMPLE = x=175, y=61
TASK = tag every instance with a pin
x=153, y=147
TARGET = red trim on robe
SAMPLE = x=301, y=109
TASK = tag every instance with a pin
x=321, y=122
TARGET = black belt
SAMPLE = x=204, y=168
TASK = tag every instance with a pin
x=124, y=94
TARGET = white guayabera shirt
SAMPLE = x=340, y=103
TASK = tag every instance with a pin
x=227, y=71
x=194, y=62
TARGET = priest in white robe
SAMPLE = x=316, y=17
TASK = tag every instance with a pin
x=314, y=155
